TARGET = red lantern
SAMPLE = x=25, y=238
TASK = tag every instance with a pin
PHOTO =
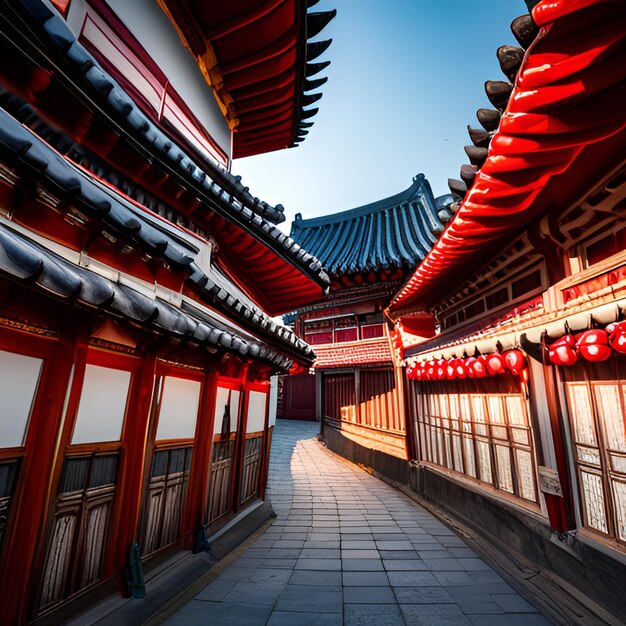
x=515, y=361
x=480, y=366
x=594, y=345
x=563, y=351
x=461, y=369
x=495, y=364
x=450, y=370
x=410, y=372
x=469, y=366
x=617, y=337
x=440, y=372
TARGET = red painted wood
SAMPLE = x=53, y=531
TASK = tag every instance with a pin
x=124, y=522
x=298, y=397
x=22, y=541
x=195, y=507
x=121, y=53
x=562, y=129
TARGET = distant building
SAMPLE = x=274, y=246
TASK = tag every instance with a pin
x=368, y=252
x=138, y=281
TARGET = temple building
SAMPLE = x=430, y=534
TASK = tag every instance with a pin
x=516, y=407
x=369, y=252
x=139, y=280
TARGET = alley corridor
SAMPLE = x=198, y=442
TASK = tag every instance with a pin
x=346, y=548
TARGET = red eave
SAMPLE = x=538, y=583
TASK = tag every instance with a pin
x=564, y=127
x=369, y=352
x=254, y=54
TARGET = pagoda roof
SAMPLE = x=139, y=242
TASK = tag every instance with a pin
x=132, y=222
x=389, y=233
x=26, y=261
x=256, y=56
x=112, y=124
x=561, y=130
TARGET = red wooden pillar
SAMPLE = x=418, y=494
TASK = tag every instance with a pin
x=124, y=523
x=22, y=542
x=264, y=458
x=195, y=508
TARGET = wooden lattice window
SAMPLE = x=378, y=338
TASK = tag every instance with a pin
x=478, y=428
x=340, y=397
x=176, y=408
x=85, y=498
x=596, y=402
x=225, y=426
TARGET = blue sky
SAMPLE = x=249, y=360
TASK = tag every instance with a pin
x=405, y=80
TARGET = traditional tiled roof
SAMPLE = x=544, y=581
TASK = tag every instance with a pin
x=216, y=188
x=33, y=157
x=257, y=58
x=394, y=232
x=368, y=352
x=28, y=262
x=555, y=132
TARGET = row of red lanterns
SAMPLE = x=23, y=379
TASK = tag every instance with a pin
x=496, y=363
x=593, y=345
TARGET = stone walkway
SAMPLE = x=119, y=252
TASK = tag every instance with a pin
x=348, y=549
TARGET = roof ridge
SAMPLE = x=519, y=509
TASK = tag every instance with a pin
x=419, y=182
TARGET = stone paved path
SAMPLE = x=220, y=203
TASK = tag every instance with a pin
x=348, y=549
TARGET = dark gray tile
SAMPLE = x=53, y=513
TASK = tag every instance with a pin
x=315, y=577
x=368, y=595
x=354, y=579
x=404, y=565
x=310, y=599
x=510, y=619
x=361, y=565
x=412, y=578
x=423, y=595
x=372, y=614
x=327, y=565
x=289, y=618
x=319, y=553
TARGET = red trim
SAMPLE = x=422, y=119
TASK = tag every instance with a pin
x=563, y=124
x=124, y=57
x=22, y=541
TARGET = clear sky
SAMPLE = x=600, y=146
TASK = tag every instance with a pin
x=405, y=80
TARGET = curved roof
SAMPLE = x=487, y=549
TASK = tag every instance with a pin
x=256, y=56
x=286, y=278
x=390, y=233
x=563, y=127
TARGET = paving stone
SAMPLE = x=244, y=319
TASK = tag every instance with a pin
x=353, y=579
x=315, y=577
x=361, y=565
x=310, y=599
x=258, y=593
x=289, y=618
x=423, y=595
x=368, y=595
x=348, y=549
x=319, y=553
x=404, y=565
x=320, y=564
x=394, y=545
x=359, y=554
x=528, y=619
x=348, y=544
x=372, y=614
x=412, y=578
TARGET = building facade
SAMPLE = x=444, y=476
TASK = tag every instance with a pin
x=368, y=252
x=139, y=278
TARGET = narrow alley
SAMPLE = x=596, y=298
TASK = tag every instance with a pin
x=346, y=548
